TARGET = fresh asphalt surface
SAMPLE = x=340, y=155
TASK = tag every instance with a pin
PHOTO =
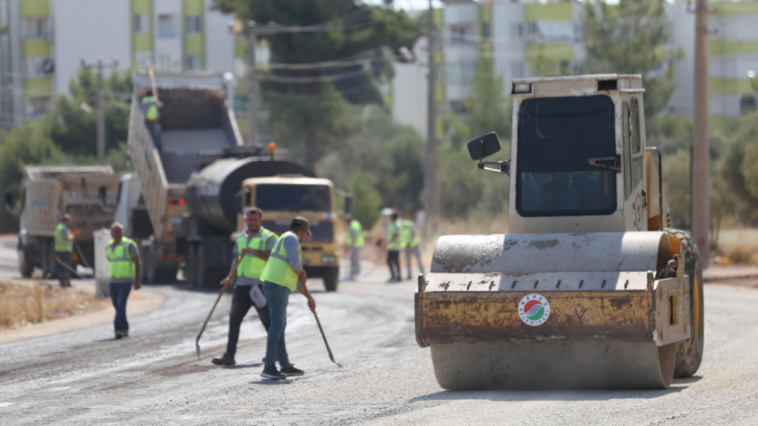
x=153, y=377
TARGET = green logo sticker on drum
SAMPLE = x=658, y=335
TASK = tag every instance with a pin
x=534, y=309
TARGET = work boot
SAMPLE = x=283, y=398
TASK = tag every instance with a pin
x=125, y=332
x=224, y=360
x=272, y=373
x=391, y=280
x=292, y=371
x=119, y=334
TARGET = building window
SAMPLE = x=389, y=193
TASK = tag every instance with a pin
x=38, y=66
x=34, y=28
x=194, y=63
x=141, y=24
x=486, y=31
x=36, y=107
x=747, y=104
x=194, y=24
x=144, y=58
x=457, y=34
x=518, y=69
x=169, y=62
x=167, y=26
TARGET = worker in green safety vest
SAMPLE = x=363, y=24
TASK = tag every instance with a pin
x=64, y=246
x=353, y=242
x=123, y=273
x=412, y=245
x=394, y=245
x=250, y=252
x=282, y=275
x=150, y=107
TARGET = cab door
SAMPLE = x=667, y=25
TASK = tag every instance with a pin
x=636, y=203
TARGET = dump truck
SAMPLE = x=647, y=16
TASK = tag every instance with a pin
x=284, y=197
x=87, y=193
x=590, y=288
x=185, y=209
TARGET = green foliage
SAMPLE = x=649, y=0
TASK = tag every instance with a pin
x=739, y=167
x=630, y=38
x=487, y=108
x=74, y=130
x=307, y=113
x=389, y=157
x=21, y=147
x=367, y=202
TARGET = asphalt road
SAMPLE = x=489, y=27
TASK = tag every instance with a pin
x=85, y=377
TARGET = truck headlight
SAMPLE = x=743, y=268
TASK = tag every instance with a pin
x=328, y=259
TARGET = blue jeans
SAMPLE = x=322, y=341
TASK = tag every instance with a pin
x=278, y=298
x=119, y=294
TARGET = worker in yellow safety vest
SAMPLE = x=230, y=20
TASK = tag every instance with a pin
x=282, y=275
x=123, y=272
x=411, y=241
x=150, y=107
x=250, y=252
x=353, y=242
x=64, y=246
x=394, y=245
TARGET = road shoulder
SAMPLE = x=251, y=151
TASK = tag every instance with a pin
x=140, y=302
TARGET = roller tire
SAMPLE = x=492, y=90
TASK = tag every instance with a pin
x=689, y=352
x=331, y=278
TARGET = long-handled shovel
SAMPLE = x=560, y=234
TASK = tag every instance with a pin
x=197, y=341
x=325, y=342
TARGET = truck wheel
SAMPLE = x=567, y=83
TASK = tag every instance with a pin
x=148, y=265
x=689, y=352
x=171, y=274
x=331, y=278
x=190, y=267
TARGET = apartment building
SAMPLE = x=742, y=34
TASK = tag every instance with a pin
x=528, y=37
x=43, y=44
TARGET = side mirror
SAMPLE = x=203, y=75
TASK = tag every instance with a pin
x=484, y=146
x=348, y=203
x=102, y=195
x=248, y=197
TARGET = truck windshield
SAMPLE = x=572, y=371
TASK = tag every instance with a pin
x=293, y=198
x=556, y=139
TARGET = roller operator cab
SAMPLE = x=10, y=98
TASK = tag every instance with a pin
x=590, y=287
x=282, y=198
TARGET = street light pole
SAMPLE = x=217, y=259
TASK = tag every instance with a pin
x=253, y=76
x=432, y=198
x=100, y=66
x=700, y=156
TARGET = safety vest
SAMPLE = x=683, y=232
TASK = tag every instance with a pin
x=355, y=228
x=62, y=244
x=120, y=264
x=152, y=109
x=410, y=237
x=278, y=269
x=251, y=265
x=395, y=229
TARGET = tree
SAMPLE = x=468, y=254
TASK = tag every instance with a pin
x=487, y=107
x=739, y=167
x=306, y=97
x=74, y=129
x=367, y=202
x=631, y=38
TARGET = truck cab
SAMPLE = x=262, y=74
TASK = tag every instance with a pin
x=282, y=198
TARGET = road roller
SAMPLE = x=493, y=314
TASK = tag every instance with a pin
x=590, y=288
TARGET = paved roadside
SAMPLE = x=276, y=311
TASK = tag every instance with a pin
x=139, y=302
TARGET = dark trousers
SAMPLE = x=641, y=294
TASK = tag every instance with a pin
x=241, y=303
x=393, y=260
x=154, y=127
x=62, y=268
x=119, y=295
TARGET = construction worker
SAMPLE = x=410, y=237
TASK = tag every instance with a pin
x=123, y=272
x=394, y=245
x=64, y=246
x=412, y=247
x=150, y=110
x=353, y=242
x=282, y=275
x=251, y=252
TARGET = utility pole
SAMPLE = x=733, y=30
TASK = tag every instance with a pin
x=432, y=197
x=254, y=91
x=700, y=186
x=100, y=66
